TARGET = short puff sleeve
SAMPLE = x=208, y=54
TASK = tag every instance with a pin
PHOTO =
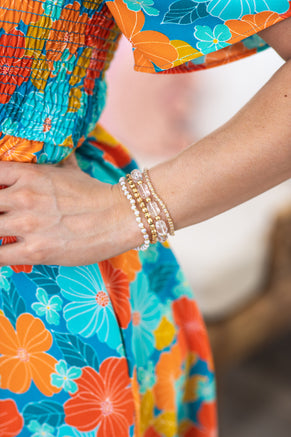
x=185, y=35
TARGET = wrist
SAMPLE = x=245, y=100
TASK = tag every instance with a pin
x=127, y=231
x=165, y=189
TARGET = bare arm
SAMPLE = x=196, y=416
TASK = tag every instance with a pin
x=62, y=216
x=246, y=156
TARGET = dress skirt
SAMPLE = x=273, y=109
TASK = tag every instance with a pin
x=117, y=348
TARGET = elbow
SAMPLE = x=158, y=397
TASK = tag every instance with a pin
x=278, y=36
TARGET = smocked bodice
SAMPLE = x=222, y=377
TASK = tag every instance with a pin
x=53, y=55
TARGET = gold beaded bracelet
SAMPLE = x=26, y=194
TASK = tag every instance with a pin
x=139, y=194
x=154, y=210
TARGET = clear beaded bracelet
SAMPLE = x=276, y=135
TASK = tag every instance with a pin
x=161, y=203
x=136, y=212
x=154, y=205
x=144, y=201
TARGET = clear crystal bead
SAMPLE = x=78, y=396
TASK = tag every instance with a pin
x=161, y=227
x=144, y=191
x=153, y=208
x=162, y=238
x=136, y=175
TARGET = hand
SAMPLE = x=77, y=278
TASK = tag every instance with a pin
x=62, y=216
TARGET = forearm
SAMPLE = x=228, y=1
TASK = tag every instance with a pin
x=245, y=157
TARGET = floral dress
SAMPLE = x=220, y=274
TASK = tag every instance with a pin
x=117, y=348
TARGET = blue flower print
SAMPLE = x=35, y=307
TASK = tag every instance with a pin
x=53, y=8
x=64, y=378
x=146, y=5
x=5, y=273
x=47, y=307
x=254, y=42
x=68, y=431
x=99, y=95
x=210, y=40
x=235, y=9
x=90, y=311
x=146, y=377
x=146, y=314
x=206, y=389
x=43, y=116
x=183, y=287
x=40, y=430
x=150, y=255
x=51, y=154
x=65, y=65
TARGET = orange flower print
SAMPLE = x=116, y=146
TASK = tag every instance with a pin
x=149, y=46
x=250, y=24
x=168, y=371
x=14, y=11
x=14, y=66
x=151, y=432
x=18, y=268
x=22, y=268
x=99, y=34
x=228, y=54
x=192, y=331
x=103, y=399
x=68, y=32
x=23, y=359
x=11, y=422
x=207, y=419
x=19, y=149
x=115, y=154
x=128, y=262
x=10, y=240
x=117, y=285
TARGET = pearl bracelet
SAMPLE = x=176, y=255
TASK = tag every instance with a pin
x=140, y=196
x=136, y=212
x=157, y=224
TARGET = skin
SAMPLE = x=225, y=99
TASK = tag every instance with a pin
x=62, y=216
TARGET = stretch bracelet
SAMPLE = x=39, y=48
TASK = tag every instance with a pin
x=148, y=194
x=161, y=203
x=140, y=192
x=136, y=212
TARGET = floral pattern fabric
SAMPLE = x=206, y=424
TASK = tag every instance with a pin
x=102, y=350
x=117, y=348
x=187, y=35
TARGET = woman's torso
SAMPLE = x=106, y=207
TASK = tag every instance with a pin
x=53, y=55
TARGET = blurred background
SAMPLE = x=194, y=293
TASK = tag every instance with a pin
x=237, y=263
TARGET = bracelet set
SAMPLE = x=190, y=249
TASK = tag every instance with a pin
x=152, y=215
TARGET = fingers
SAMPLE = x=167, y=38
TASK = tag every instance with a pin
x=9, y=172
x=12, y=254
x=6, y=200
